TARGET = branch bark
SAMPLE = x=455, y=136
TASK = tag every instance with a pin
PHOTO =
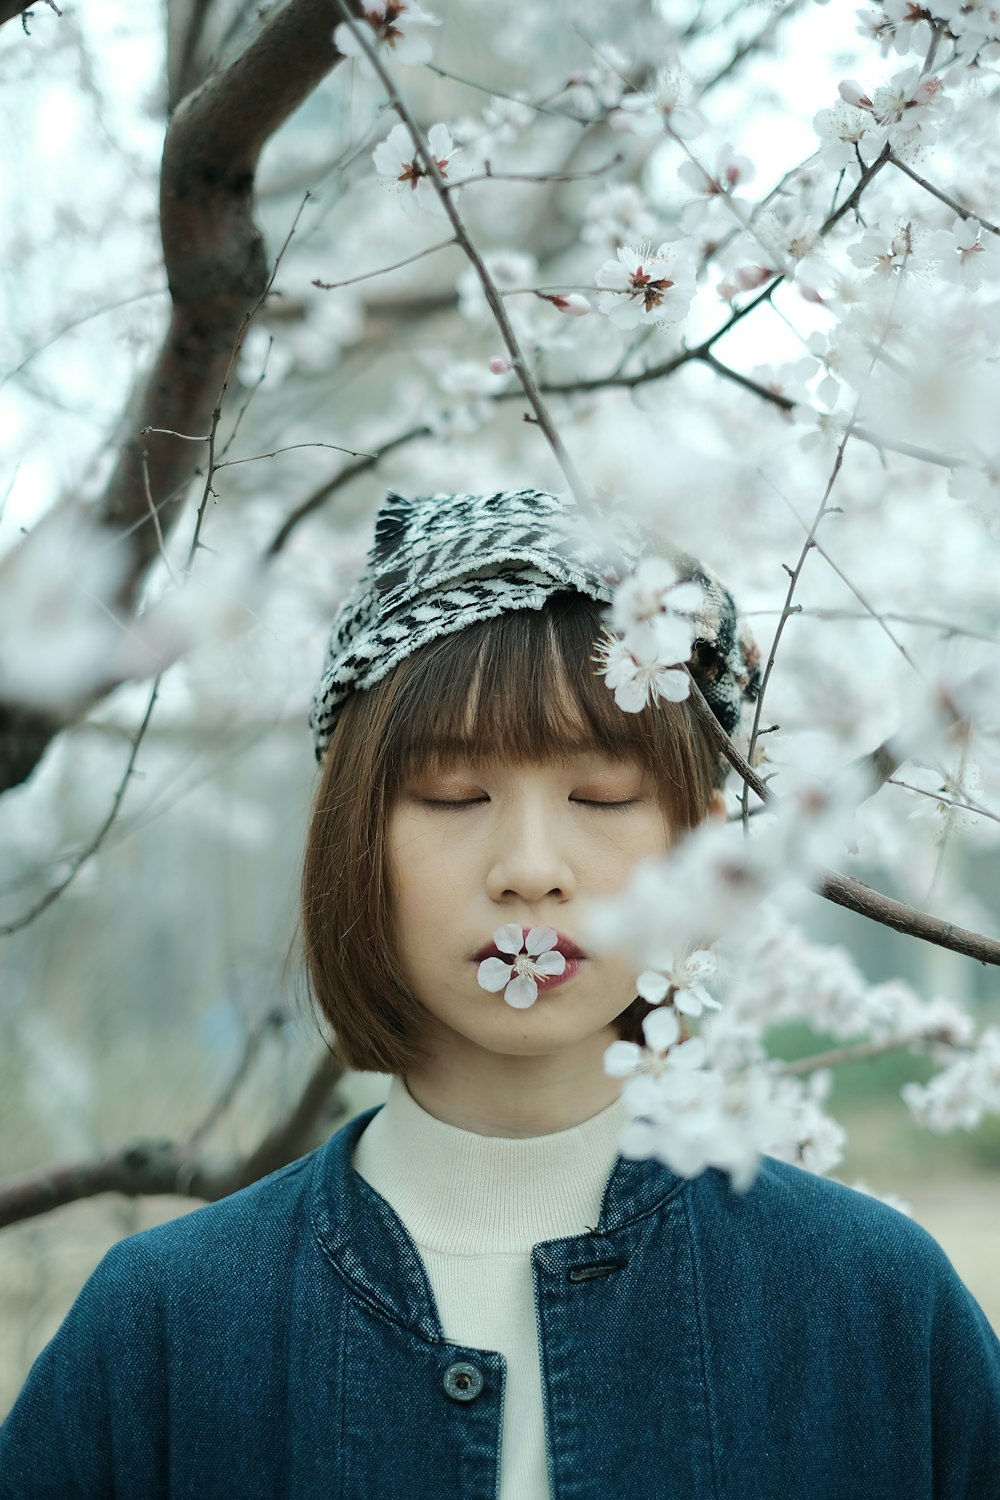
x=145, y=1168
x=217, y=273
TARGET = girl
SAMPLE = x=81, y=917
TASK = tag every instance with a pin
x=468, y=1292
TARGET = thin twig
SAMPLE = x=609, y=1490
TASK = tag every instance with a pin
x=329, y=286
x=936, y=192
x=495, y=301
x=80, y=859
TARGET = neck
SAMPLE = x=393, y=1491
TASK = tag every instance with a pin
x=517, y=1096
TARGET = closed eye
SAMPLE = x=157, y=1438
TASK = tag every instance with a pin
x=580, y=802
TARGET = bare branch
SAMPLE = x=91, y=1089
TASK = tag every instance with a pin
x=151, y=1168
x=11, y=8
x=89, y=850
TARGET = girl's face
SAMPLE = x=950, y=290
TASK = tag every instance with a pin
x=477, y=846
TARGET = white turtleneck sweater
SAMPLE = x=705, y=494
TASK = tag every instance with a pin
x=476, y=1205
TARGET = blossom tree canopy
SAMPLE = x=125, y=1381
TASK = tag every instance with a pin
x=731, y=270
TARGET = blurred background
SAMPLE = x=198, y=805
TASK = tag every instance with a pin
x=127, y=1006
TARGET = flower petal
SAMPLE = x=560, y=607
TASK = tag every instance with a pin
x=550, y=963
x=673, y=685
x=509, y=938
x=690, y=1054
x=652, y=986
x=661, y=1029
x=540, y=940
x=493, y=974
x=622, y=1058
x=521, y=992
x=688, y=597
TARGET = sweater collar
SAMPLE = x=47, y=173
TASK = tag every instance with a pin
x=368, y=1243
x=463, y=1193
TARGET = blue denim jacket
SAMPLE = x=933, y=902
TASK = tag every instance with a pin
x=799, y=1342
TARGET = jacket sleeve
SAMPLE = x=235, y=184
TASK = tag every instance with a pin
x=90, y=1419
x=965, y=1395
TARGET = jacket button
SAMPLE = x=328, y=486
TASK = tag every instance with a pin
x=463, y=1382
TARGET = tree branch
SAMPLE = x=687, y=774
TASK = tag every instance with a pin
x=147, y=1168
x=216, y=271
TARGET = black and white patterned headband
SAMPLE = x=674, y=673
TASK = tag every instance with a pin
x=441, y=562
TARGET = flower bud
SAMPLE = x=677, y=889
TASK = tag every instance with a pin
x=853, y=93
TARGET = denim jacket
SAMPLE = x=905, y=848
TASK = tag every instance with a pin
x=800, y=1341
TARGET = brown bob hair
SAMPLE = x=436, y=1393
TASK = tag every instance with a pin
x=490, y=690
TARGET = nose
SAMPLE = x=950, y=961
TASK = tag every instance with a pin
x=528, y=857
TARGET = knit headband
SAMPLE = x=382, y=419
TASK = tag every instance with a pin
x=441, y=562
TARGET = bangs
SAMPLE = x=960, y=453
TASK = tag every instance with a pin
x=519, y=689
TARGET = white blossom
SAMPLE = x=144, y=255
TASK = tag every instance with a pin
x=681, y=982
x=388, y=25
x=636, y=670
x=615, y=216
x=645, y=286
x=665, y=105
x=692, y=1114
x=967, y=253
x=399, y=167
x=963, y=1092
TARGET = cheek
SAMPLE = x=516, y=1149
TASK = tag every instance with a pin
x=426, y=867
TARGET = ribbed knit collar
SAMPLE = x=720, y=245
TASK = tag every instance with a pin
x=468, y=1194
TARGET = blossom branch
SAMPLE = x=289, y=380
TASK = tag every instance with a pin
x=835, y=1057
x=845, y=890
x=492, y=295
x=936, y=192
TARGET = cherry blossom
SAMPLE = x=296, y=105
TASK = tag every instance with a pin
x=654, y=595
x=615, y=216
x=469, y=390
x=681, y=983
x=532, y=959
x=398, y=166
x=969, y=254
x=730, y=173
x=890, y=248
x=963, y=1092
x=907, y=26
x=636, y=671
x=389, y=22
x=846, y=132
x=691, y=1115
x=976, y=23
x=592, y=91
x=663, y=106
x=643, y=286
x=567, y=302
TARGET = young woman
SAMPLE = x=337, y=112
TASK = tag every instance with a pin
x=468, y=1292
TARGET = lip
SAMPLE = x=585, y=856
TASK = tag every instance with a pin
x=549, y=981
x=564, y=945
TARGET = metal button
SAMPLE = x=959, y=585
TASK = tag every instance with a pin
x=463, y=1382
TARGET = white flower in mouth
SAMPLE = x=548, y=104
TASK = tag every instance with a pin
x=532, y=959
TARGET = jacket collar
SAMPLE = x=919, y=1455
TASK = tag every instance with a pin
x=363, y=1237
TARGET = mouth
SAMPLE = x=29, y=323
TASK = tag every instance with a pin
x=570, y=952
